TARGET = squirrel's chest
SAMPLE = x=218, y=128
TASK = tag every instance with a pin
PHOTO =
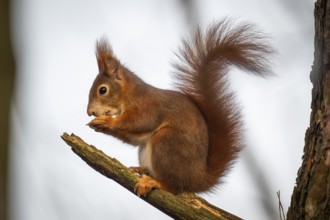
x=145, y=155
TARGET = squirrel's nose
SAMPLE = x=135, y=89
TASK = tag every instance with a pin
x=90, y=112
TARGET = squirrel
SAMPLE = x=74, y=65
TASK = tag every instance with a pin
x=187, y=139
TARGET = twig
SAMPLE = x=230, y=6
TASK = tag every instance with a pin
x=183, y=206
x=280, y=206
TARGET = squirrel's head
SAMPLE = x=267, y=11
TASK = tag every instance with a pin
x=106, y=91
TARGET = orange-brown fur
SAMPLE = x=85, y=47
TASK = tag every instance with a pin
x=187, y=139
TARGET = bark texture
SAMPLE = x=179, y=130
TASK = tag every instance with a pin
x=7, y=72
x=311, y=195
x=184, y=206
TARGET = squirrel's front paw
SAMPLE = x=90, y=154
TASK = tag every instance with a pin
x=100, y=123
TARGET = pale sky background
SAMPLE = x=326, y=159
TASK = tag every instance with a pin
x=56, y=65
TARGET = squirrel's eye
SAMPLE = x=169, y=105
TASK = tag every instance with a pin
x=102, y=90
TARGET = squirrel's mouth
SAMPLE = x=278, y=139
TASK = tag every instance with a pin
x=108, y=113
x=98, y=110
x=113, y=112
x=112, y=115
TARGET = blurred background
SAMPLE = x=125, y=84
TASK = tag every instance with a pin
x=53, y=47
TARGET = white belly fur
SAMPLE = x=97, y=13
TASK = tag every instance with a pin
x=145, y=158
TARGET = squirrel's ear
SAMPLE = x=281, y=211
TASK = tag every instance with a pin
x=106, y=61
x=111, y=66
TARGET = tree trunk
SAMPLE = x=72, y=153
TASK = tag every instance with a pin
x=311, y=195
x=6, y=90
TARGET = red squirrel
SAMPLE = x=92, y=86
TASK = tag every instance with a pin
x=187, y=139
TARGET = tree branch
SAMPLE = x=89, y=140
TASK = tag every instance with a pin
x=183, y=206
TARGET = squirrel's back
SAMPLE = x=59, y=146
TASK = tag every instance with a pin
x=202, y=75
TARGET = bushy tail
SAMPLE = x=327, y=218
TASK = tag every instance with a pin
x=201, y=75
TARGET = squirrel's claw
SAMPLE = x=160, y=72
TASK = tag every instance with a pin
x=145, y=184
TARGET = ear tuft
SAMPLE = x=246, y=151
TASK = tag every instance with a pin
x=106, y=61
